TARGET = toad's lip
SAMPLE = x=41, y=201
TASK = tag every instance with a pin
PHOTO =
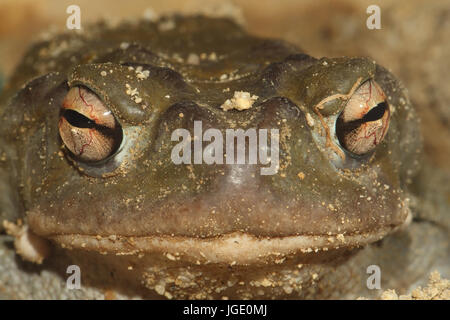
x=235, y=248
x=247, y=209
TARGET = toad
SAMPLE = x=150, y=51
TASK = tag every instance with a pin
x=87, y=164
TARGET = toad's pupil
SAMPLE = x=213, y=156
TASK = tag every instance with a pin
x=76, y=119
x=375, y=113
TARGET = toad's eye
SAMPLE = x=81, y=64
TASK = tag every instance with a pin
x=363, y=123
x=87, y=128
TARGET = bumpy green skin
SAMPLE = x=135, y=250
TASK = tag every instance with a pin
x=140, y=192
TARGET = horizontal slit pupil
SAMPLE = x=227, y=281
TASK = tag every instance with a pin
x=375, y=113
x=78, y=120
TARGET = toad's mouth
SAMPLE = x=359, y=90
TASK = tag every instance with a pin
x=178, y=230
x=241, y=230
x=234, y=248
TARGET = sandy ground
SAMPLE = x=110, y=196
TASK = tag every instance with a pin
x=437, y=289
x=413, y=44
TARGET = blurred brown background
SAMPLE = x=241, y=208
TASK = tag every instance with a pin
x=413, y=42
